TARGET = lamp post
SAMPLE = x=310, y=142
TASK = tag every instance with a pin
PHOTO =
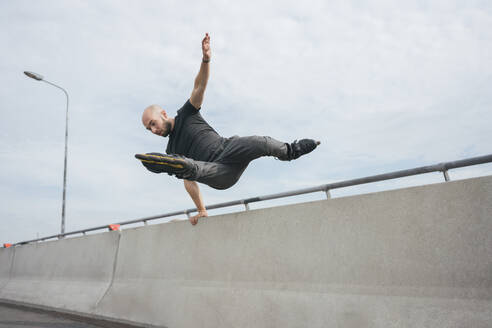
x=39, y=77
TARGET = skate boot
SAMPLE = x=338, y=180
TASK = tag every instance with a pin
x=301, y=147
x=168, y=163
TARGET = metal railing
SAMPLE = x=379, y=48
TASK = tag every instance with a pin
x=441, y=167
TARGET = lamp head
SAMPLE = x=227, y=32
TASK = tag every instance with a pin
x=33, y=75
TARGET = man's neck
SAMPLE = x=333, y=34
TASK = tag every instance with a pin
x=172, y=124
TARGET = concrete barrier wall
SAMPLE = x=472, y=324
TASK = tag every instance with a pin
x=70, y=274
x=416, y=257
x=6, y=256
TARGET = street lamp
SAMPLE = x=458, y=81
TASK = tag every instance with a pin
x=38, y=77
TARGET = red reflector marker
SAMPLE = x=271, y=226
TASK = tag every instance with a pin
x=114, y=227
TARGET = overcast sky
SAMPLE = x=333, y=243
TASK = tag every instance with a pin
x=385, y=85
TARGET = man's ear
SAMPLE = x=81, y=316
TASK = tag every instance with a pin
x=163, y=113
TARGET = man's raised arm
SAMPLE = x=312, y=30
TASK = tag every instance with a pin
x=201, y=79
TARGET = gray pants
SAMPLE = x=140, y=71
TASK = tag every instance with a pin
x=231, y=160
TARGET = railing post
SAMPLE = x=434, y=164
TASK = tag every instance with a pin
x=328, y=195
x=446, y=175
x=246, y=206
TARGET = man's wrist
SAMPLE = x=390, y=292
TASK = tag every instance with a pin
x=206, y=60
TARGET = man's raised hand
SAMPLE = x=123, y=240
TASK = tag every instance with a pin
x=207, y=53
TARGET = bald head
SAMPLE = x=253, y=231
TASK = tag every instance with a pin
x=155, y=119
x=149, y=112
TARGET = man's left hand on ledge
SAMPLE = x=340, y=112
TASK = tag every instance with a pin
x=194, y=219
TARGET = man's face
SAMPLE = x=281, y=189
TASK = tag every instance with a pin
x=155, y=120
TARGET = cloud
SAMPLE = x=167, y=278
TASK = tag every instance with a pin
x=384, y=85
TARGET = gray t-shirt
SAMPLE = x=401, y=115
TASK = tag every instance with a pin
x=192, y=136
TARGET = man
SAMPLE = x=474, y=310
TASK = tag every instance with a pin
x=197, y=153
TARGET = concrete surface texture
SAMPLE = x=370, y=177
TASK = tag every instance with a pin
x=6, y=256
x=415, y=257
x=14, y=317
x=406, y=258
x=70, y=274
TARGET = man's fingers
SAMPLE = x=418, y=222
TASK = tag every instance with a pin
x=193, y=220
